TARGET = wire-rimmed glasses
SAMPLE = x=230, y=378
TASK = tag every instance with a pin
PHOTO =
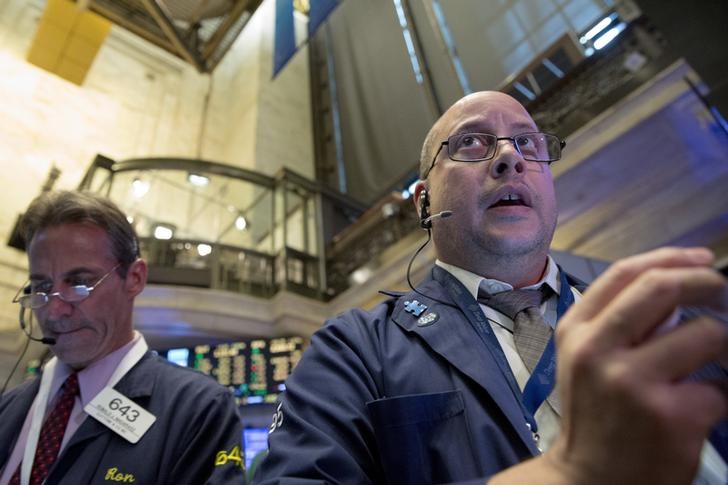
x=69, y=294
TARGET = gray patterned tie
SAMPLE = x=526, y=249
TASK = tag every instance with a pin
x=531, y=333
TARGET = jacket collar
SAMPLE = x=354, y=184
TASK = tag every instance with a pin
x=448, y=329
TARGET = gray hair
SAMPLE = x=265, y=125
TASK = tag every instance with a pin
x=72, y=207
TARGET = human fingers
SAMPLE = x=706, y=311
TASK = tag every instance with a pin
x=623, y=272
x=709, y=397
x=676, y=354
x=652, y=297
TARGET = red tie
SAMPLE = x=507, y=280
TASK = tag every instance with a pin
x=51, y=434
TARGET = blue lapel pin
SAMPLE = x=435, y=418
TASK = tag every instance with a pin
x=414, y=307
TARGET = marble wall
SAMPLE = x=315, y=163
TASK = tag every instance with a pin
x=138, y=101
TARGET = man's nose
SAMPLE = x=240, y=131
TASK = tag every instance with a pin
x=56, y=307
x=507, y=158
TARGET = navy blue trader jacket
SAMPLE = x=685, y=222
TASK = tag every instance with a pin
x=391, y=397
x=195, y=439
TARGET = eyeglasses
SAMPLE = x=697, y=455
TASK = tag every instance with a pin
x=69, y=294
x=477, y=147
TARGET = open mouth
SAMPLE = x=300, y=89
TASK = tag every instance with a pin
x=509, y=200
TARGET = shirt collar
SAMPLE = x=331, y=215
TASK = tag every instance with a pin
x=473, y=282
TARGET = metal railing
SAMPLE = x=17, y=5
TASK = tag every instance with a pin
x=224, y=227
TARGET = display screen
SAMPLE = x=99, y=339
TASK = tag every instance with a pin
x=254, y=370
x=179, y=356
x=255, y=440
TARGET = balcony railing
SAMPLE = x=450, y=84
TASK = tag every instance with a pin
x=215, y=226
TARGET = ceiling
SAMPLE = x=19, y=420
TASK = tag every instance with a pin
x=198, y=31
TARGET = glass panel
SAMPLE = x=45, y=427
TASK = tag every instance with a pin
x=201, y=207
x=295, y=219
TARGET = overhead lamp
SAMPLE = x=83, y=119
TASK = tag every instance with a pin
x=139, y=187
x=361, y=275
x=241, y=223
x=598, y=28
x=163, y=232
x=204, y=249
x=198, y=180
x=608, y=36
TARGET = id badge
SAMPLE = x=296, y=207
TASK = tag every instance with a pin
x=120, y=414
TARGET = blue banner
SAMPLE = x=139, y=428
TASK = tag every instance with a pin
x=285, y=35
x=284, y=43
x=320, y=9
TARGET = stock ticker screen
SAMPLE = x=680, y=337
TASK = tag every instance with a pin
x=255, y=370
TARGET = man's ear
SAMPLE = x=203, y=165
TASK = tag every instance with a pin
x=422, y=202
x=136, y=277
x=420, y=190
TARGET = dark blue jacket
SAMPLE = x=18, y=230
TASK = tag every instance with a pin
x=196, y=420
x=379, y=398
x=384, y=397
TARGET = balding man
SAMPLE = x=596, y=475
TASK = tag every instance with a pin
x=454, y=381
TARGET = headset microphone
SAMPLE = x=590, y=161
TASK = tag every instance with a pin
x=43, y=340
x=426, y=223
x=428, y=220
x=425, y=217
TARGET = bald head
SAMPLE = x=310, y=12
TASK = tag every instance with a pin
x=509, y=242
x=440, y=130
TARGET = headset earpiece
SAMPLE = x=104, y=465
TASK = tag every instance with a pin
x=425, y=210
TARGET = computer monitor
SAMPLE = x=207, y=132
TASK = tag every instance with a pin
x=255, y=440
x=179, y=356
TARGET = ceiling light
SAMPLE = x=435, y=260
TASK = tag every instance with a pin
x=608, y=36
x=241, y=223
x=360, y=275
x=204, y=249
x=198, y=180
x=139, y=187
x=163, y=232
x=603, y=24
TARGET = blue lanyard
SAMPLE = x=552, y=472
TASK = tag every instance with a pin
x=537, y=389
x=543, y=378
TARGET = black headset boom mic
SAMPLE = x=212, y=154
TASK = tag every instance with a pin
x=425, y=217
x=442, y=214
x=43, y=340
x=426, y=223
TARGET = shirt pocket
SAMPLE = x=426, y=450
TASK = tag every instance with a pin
x=422, y=437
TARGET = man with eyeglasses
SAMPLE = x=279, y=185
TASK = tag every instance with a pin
x=105, y=408
x=454, y=381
